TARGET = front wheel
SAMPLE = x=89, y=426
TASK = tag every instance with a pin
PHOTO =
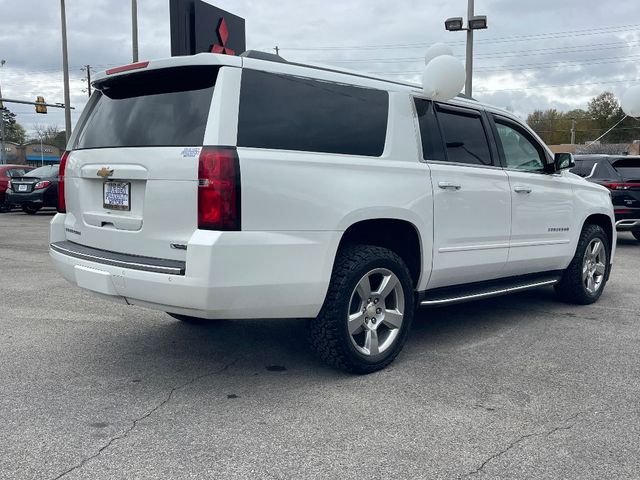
x=367, y=314
x=584, y=280
x=637, y=235
x=29, y=210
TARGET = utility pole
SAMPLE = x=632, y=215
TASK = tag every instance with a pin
x=88, y=69
x=277, y=49
x=65, y=67
x=468, y=87
x=573, y=131
x=3, y=153
x=134, y=29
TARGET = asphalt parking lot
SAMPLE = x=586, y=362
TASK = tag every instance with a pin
x=515, y=387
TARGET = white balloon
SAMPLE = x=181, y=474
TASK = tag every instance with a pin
x=631, y=102
x=443, y=78
x=436, y=50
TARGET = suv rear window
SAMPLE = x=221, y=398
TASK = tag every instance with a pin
x=166, y=107
x=628, y=168
x=284, y=112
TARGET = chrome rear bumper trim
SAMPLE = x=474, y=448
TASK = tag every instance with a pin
x=147, y=264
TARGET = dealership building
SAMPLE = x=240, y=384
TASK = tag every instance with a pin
x=33, y=153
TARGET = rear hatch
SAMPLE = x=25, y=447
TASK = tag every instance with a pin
x=628, y=189
x=131, y=179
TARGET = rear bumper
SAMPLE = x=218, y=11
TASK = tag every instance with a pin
x=628, y=225
x=228, y=275
x=39, y=198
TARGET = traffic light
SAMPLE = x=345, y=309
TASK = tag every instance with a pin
x=41, y=108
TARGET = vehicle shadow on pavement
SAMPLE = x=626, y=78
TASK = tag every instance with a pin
x=281, y=345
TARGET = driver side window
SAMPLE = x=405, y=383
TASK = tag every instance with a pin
x=519, y=152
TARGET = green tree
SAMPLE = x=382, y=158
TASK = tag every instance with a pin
x=14, y=132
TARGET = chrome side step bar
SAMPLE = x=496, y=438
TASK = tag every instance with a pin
x=461, y=294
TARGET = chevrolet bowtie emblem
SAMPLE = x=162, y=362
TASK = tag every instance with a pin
x=105, y=172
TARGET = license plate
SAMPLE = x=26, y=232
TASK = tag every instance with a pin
x=22, y=188
x=116, y=195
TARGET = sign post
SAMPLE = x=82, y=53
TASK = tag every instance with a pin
x=198, y=27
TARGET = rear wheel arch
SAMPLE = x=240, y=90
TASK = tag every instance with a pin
x=400, y=236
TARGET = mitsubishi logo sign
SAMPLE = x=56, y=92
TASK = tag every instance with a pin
x=197, y=27
x=223, y=37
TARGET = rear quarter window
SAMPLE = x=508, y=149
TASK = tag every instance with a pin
x=166, y=107
x=284, y=112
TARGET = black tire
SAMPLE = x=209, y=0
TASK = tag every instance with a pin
x=190, y=320
x=29, y=210
x=329, y=333
x=572, y=288
x=637, y=235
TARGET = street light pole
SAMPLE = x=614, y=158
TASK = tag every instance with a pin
x=456, y=24
x=65, y=67
x=468, y=87
x=134, y=29
x=2, y=132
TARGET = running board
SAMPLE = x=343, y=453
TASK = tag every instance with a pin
x=482, y=290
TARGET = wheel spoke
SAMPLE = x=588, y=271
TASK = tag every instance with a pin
x=387, y=286
x=591, y=284
x=585, y=270
x=597, y=248
x=356, y=322
x=600, y=268
x=371, y=342
x=393, y=318
x=364, y=289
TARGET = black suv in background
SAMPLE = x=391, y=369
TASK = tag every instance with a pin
x=621, y=175
x=35, y=189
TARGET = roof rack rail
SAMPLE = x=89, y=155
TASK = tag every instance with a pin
x=257, y=54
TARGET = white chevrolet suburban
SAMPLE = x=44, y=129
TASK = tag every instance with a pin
x=215, y=187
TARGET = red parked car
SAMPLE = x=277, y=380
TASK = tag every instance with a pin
x=6, y=172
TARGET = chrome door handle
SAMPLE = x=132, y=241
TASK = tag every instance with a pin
x=522, y=190
x=449, y=186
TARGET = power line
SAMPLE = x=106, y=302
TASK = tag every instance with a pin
x=516, y=38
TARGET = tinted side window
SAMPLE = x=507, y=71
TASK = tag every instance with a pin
x=432, y=148
x=293, y=113
x=583, y=169
x=465, y=138
x=520, y=152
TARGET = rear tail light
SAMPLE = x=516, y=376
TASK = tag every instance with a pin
x=620, y=186
x=621, y=211
x=62, y=204
x=9, y=186
x=219, y=189
x=42, y=184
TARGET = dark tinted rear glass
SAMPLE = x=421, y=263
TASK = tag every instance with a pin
x=465, y=138
x=44, y=172
x=156, y=108
x=628, y=168
x=292, y=113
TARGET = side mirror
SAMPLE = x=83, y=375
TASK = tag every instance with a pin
x=563, y=161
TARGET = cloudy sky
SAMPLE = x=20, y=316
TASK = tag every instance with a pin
x=535, y=55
